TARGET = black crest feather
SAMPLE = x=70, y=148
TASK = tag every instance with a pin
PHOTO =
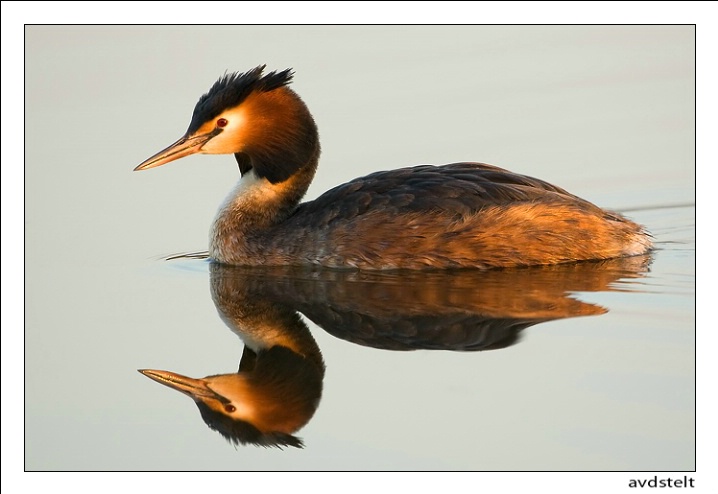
x=241, y=432
x=231, y=89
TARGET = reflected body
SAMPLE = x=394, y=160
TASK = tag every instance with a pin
x=279, y=384
x=464, y=310
x=458, y=215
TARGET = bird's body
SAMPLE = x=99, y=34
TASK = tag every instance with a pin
x=458, y=215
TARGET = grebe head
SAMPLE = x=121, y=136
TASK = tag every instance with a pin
x=238, y=408
x=257, y=118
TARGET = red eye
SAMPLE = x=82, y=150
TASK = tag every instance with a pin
x=229, y=408
x=222, y=122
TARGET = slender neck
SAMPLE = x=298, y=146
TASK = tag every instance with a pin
x=276, y=173
x=247, y=306
x=255, y=202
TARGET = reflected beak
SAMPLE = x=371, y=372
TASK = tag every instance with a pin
x=194, y=388
x=185, y=146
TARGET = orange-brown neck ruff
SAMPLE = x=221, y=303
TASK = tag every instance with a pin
x=278, y=135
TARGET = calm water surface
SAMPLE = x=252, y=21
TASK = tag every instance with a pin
x=575, y=368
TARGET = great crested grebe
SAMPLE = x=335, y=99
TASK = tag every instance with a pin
x=458, y=215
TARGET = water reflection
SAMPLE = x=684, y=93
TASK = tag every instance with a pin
x=279, y=382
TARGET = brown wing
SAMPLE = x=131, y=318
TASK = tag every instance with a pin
x=457, y=189
x=459, y=215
